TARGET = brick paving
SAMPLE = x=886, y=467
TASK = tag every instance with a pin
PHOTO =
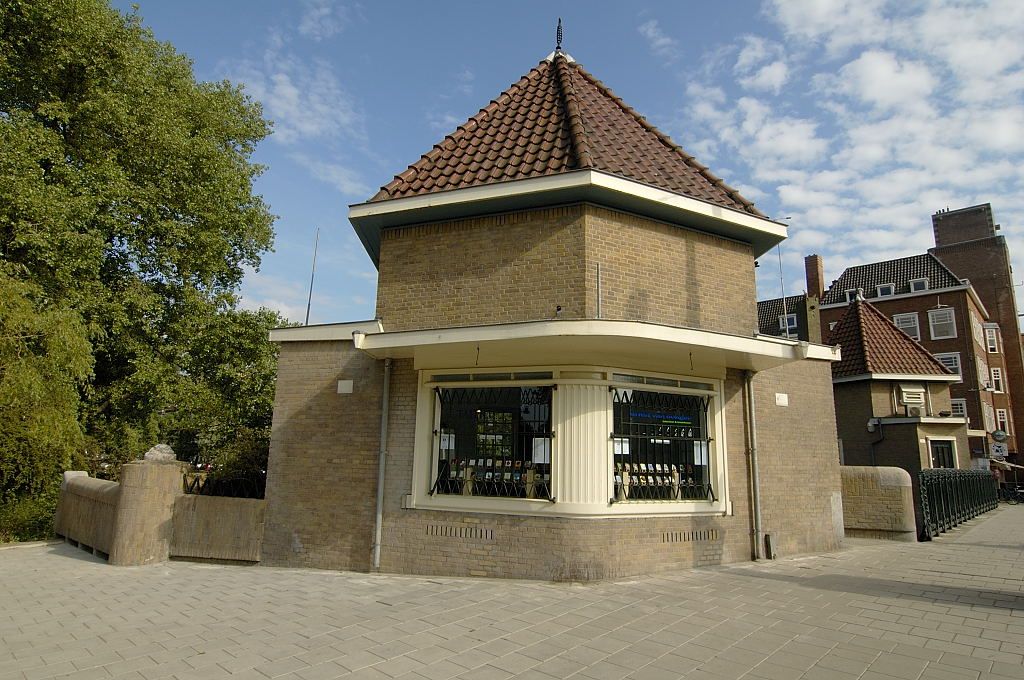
x=949, y=609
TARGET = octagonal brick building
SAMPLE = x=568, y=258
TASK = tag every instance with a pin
x=563, y=379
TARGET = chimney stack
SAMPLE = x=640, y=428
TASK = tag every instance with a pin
x=814, y=268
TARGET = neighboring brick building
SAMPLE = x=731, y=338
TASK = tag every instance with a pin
x=563, y=376
x=892, y=398
x=966, y=241
x=930, y=303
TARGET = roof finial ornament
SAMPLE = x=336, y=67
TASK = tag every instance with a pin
x=558, y=36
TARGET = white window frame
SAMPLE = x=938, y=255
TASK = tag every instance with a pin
x=950, y=355
x=997, y=379
x=952, y=442
x=784, y=324
x=850, y=298
x=567, y=379
x=918, y=285
x=992, y=340
x=932, y=314
x=897, y=319
x=891, y=287
x=1003, y=420
x=958, y=407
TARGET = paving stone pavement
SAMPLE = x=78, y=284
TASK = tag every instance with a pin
x=945, y=610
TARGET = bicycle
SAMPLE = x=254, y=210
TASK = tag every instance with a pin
x=1011, y=495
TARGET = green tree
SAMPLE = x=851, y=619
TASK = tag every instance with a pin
x=127, y=216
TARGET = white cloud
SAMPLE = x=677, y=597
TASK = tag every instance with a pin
x=347, y=181
x=836, y=24
x=304, y=97
x=770, y=77
x=881, y=80
x=323, y=19
x=659, y=43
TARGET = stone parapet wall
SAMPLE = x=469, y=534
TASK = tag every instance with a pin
x=217, y=528
x=878, y=502
x=147, y=518
x=86, y=510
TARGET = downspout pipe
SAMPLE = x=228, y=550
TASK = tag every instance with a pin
x=755, y=474
x=382, y=456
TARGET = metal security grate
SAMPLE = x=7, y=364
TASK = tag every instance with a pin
x=449, y=531
x=494, y=441
x=661, y=446
x=689, y=536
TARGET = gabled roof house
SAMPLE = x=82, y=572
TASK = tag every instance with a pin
x=563, y=379
x=892, y=397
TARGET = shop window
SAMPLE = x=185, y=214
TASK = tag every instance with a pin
x=494, y=441
x=942, y=323
x=661, y=446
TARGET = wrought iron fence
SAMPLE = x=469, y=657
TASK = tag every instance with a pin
x=253, y=485
x=951, y=497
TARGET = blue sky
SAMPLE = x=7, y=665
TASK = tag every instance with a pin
x=856, y=120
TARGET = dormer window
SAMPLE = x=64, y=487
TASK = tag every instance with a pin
x=918, y=285
x=886, y=289
x=787, y=323
x=851, y=295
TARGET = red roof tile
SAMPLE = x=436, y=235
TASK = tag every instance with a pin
x=558, y=118
x=872, y=344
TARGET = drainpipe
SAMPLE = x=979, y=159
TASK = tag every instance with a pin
x=381, y=459
x=755, y=477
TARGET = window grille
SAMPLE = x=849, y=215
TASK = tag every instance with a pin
x=908, y=323
x=661, y=446
x=997, y=379
x=992, y=340
x=942, y=323
x=494, y=441
x=950, y=360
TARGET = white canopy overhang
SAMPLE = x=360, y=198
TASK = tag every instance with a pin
x=632, y=344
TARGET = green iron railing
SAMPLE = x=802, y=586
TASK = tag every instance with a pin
x=951, y=497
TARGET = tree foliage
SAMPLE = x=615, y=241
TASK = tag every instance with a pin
x=127, y=217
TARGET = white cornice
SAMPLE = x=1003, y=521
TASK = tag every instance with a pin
x=327, y=331
x=875, y=301
x=899, y=376
x=571, y=187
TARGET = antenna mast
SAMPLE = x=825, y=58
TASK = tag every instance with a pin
x=312, y=274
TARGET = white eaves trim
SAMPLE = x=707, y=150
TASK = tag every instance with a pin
x=327, y=331
x=571, y=180
x=927, y=420
x=905, y=377
x=756, y=345
x=931, y=292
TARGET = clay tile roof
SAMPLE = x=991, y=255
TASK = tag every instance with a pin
x=899, y=272
x=555, y=119
x=769, y=311
x=872, y=344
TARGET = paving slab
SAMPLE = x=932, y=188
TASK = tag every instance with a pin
x=948, y=609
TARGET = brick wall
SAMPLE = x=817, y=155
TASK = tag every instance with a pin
x=521, y=266
x=652, y=271
x=498, y=269
x=799, y=457
x=322, y=476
